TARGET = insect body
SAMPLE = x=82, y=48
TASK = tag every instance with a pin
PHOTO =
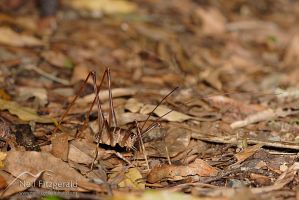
x=109, y=132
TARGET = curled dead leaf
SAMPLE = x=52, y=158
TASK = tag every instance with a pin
x=11, y=38
x=198, y=167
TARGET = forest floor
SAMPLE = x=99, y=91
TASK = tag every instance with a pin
x=229, y=131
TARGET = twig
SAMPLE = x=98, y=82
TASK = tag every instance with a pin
x=47, y=75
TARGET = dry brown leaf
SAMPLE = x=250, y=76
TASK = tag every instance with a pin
x=173, y=116
x=60, y=146
x=11, y=38
x=104, y=95
x=80, y=73
x=246, y=153
x=57, y=59
x=36, y=162
x=292, y=55
x=213, y=22
x=39, y=93
x=233, y=105
x=154, y=33
x=83, y=151
x=212, y=77
x=3, y=182
x=14, y=185
x=133, y=105
x=126, y=118
x=265, y=115
x=102, y=6
x=198, y=167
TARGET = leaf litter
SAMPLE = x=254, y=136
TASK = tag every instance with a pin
x=231, y=128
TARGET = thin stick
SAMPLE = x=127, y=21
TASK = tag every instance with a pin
x=47, y=75
x=151, y=113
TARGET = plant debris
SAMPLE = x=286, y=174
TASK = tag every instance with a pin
x=88, y=108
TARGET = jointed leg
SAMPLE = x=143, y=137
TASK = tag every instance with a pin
x=142, y=145
x=72, y=103
x=112, y=112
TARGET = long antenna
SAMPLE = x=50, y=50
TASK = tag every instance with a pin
x=151, y=113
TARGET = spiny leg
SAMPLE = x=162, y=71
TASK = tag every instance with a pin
x=96, y=99
x=111, y=107
x=151, y=113
x=72, y=103
x=142, y=145
x=112, y=112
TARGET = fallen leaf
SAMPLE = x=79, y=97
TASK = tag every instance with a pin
x=24, y=113
x=39, y=93
x=233, y=105
x=154, y=33
x=173, y=116
x=2, y=158
x=264, y=115
x=212, y=77
x=104, y=95
x=133, y=179
x=198, y=167
x=292, y=55
x=103, y=6
x=57, y=59
x=82, y=151
x=11, y=38
x=3, y=182
x=35, y=162
x=127, y=117
x=212, y=19
x=246, y=153
x=60, y=146
x=133, y=105
x=4, y=95
x=17, y=184
x=80, y=73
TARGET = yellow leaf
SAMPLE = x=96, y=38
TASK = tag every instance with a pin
x=105, y=6
x=2, y=158
x=24, y=113
x=133, y=179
